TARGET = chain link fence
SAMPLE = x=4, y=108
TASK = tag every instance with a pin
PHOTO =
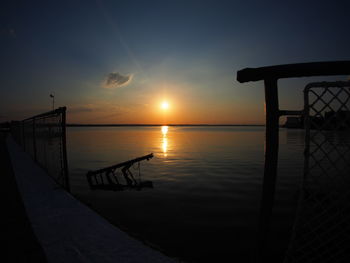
x=44, y=138
x=322, y=230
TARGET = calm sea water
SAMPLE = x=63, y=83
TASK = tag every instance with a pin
x=207, y=185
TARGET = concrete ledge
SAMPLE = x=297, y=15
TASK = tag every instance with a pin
x=67, y=230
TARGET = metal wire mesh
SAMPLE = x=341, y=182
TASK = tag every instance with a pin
x=322, y=230
x=28, y=136
x=43, y=137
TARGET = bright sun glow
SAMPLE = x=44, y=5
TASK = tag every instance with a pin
x=165, y=105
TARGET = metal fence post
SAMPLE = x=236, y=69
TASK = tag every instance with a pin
x=34, y=140
x=64, y=152
x=307, y=130
x=23, y=136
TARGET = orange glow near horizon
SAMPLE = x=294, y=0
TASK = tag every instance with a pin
x=164, y=110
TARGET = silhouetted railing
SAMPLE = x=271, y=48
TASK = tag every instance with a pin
x=44, y=138
x=321, y=230
x=270, y=75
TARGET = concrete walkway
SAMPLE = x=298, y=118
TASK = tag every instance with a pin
x=67, y=230
x=19, y=242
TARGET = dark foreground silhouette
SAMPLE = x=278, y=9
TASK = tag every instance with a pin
x=21, y=244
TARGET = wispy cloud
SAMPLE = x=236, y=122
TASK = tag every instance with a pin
x=116, y=80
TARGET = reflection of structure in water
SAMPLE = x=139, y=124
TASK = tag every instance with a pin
x=294, y=122
x=337, y=119
x=107, y=178
x=328, y=121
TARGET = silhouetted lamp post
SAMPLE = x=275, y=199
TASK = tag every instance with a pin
x=53, y=101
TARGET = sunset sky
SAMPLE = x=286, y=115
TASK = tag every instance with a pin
x=118, y=61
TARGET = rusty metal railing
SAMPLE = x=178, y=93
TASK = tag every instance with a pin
x=44, y=137
x=270, y=76
x=321, y=230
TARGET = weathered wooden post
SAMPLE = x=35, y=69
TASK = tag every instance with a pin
x=270, y=165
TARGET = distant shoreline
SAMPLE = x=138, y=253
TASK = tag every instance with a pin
x=153, y=125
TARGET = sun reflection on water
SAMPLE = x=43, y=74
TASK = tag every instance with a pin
x=165, y=130
x=165, y=140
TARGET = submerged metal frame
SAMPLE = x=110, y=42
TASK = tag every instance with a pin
x=270, y=75
x=95, y=178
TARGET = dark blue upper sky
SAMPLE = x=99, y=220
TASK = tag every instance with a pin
x=187, y=52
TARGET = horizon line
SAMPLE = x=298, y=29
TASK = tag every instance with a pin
x=131, y=124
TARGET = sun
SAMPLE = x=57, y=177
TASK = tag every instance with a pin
x=164, y=105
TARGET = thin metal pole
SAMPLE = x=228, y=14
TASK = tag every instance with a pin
x=23, y=136
x=270, y=168
x=307, y=130
x=64, y=149
x=34, y=140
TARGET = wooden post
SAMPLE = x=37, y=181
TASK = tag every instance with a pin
x=270, y=168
